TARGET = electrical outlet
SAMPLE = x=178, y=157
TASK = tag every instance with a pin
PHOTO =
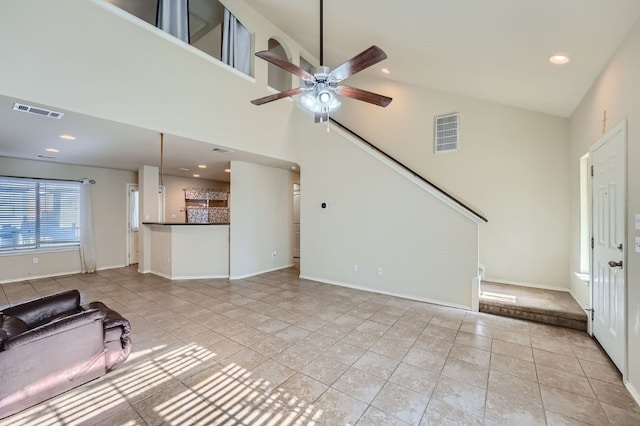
x=380, y=271
x=274, y=253
x=35, y=260
x=355, y=268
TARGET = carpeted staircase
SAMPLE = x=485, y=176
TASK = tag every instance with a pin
x=534, y=304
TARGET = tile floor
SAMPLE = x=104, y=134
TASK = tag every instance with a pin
x=277, y=350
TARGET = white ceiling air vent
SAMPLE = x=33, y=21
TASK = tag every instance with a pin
x=221, y=150
x=446, y=132
x=37, y=110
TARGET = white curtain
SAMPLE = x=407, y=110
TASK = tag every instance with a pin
x=173, y=17
x=87, y=236
x=236, y=44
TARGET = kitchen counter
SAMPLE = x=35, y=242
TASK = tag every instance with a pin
x=181, y=251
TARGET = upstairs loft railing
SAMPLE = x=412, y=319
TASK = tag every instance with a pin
x=408, y=169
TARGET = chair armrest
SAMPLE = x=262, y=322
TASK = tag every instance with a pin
x=55, y=327
x=112, y=319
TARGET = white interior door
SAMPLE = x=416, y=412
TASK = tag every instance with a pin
x=133, y=222
x=608, y=230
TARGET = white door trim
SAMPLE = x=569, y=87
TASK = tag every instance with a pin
x=129, y=187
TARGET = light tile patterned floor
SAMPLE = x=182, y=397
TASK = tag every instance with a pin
x=277, y=350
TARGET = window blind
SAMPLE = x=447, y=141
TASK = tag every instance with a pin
x=38, y=213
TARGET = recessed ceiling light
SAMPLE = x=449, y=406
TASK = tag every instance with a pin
x=559, y=59
x=196, y=175
x=294, y=168
x=184, y=169
x=68, y=137
x=52, y=150
x=385, y=71
x=227, y=170
x=202, y=166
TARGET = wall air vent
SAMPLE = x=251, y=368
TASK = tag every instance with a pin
x=45, y=157
x=446, y=132
x=37, y=111
x=221, y=150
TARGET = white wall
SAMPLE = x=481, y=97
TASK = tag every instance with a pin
x=174, y=195
x=618, y=92
x=511, y=165
x=376, y=218
x=261, y=218
x=109, y=197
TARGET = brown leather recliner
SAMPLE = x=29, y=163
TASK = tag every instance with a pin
x=53, y=344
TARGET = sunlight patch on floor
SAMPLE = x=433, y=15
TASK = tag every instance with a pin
x=498, y=297
x=232, y=393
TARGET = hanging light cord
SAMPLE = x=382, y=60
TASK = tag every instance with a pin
x=321, y=32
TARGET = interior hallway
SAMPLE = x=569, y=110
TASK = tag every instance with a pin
x=275, y=349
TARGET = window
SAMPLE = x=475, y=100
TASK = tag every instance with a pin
x=36, y=213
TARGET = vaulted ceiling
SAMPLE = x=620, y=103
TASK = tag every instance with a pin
x=495, y=50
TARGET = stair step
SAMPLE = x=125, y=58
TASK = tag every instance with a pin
x=545, y=306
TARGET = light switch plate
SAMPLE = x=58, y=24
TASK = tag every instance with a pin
x=638, y=221
x=637, y=244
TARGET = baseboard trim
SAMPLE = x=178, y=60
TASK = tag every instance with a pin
x=57, y=274
x=38, y=277
x=111, y=267
x=253, y=274
x=188, y=277
x=523, y=284
x=633, y=391
x=387, y=293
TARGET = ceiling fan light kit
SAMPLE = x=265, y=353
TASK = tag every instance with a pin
x=320, y=90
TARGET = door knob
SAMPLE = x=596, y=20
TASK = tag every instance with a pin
x=614, y=264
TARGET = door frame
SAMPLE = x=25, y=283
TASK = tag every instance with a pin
x=129, y=188
x=608, y=136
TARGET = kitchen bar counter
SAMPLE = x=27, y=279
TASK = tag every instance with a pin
x=189, y=250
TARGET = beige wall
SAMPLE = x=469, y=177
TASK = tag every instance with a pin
x=211, y=42
x=174, y=194
x=109, y=197
x=261, y=219
x=511, y=165
x=377, y=218
x=618, y=92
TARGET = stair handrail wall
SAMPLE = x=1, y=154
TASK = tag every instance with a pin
x=410, y=170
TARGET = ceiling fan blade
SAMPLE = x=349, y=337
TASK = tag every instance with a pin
x=363, y=60
x=284, y=64
x=363, y=95
x=276, y=96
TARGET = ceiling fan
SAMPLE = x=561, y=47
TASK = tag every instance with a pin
x=319, y=89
